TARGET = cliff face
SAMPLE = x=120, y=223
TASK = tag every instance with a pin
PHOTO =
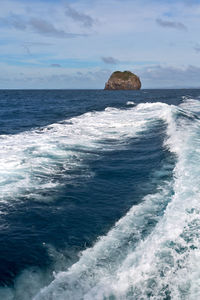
x=123, y=81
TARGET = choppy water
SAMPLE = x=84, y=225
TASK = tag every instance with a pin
x=100, y=195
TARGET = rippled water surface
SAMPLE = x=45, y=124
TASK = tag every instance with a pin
x=100, y=195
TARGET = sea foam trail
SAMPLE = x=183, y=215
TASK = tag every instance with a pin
x=125, y=264
x=164, y=264
x=33, y=162
x=95, y=270
x=113, y=129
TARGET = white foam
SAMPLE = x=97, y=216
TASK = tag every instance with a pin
x=162, y=263
x=190, y=105
x=130, y=103
x=91, y=277
x=34, y=161
x=98, y=264
x=125, y=264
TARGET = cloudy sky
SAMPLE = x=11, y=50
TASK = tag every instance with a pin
x=79, y=43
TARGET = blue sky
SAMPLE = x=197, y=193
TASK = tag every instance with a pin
x=78, y=44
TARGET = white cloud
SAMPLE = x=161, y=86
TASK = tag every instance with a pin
x=104, y=29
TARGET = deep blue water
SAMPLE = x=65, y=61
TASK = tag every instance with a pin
x=103, y=172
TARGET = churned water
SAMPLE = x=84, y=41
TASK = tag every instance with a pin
x=100, y=195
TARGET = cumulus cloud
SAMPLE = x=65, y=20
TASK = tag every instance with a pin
x=38, y=25
x=84, y=19
x=109, y=60
x=171, y=24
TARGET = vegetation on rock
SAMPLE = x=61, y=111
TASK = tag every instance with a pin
x=123, y=81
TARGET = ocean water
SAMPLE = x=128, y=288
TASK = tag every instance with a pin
x=99, y=195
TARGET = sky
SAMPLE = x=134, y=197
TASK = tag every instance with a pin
x=58, y=44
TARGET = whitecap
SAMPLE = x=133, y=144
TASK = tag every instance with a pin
x=130, y=103
x=124, y=264
x=36, y=160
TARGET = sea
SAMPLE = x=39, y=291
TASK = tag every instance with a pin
x=100, y=194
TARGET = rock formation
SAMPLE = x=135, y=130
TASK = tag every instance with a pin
x=123, y=81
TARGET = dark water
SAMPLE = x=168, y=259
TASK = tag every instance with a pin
x=111, y=173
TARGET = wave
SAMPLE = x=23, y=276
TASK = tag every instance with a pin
x=130, y=103
x=34, y=162
x=123, y=264
x=153, y=251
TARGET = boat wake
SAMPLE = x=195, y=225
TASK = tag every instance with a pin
x=153, y=252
